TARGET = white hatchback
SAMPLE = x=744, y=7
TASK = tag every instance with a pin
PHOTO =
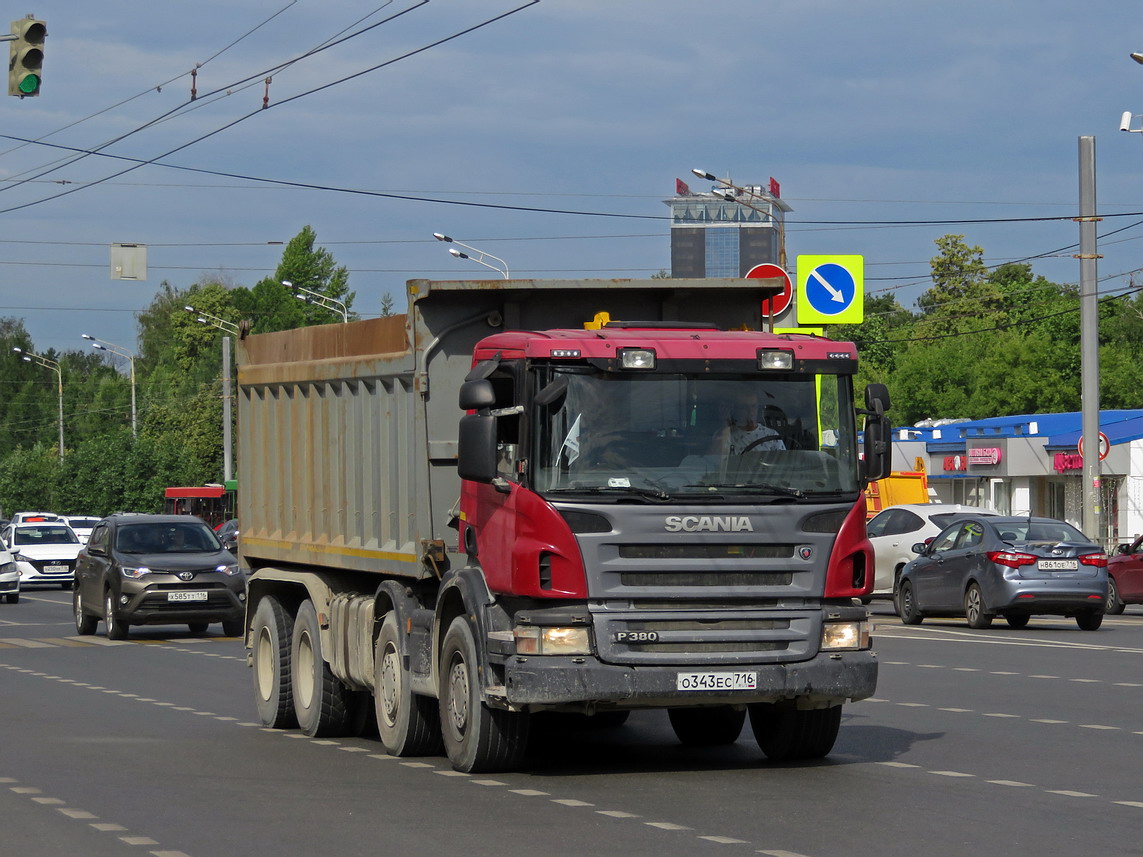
x=82, y=525
x=44, y=552
x=895, y=530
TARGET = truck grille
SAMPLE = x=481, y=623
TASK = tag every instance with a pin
x=756, y=637
x=705, y=578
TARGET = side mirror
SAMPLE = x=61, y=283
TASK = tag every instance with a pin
x=1122, y=549
x=919, y=548
x=877, y=398
x=476, y=447
x=877, y=454
x=477, y=394
x=95, y=550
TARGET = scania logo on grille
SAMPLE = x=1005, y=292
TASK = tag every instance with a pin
x=708, y=524
x=806, y=551
x=186, y=575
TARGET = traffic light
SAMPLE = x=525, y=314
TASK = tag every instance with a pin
x=26, y=56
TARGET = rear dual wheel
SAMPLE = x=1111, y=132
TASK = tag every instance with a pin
x=409, y=724
x=322, y=704
x=272, y=631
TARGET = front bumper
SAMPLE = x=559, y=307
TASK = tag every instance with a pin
x=32, y=572
x=827, y=679
x=10, y=583
x=151, y=606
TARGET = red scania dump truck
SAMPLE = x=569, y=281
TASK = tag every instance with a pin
x=502, y=504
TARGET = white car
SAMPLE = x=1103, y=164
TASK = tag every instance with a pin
x=895, y=530
x=82, y=525
x=34, y=517
x=44, y=552
x=9, y=577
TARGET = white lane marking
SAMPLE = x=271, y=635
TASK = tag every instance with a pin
x=666, y=825
x=616, y=813
x=571, y=802
x=78, y=813
x=1067, y=793
x=529, y=792
x=723, y=840
x=1016, y=784
x=950, y=774
x=139, y=840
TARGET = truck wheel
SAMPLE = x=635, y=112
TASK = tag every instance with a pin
x=84, y=624
x=784, y=732
x=322, y=704
x=477, y=738
x=272, y=632
x=707, y=727
x=116, y=627
x=974, y=609
x=409, y=724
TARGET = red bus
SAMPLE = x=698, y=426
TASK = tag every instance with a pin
x=213, y=503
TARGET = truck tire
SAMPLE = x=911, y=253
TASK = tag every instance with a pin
x=272, y=633
x=707, y=727
x=409, y=724
x=323, y=705
x=477, y=738
x=785, y=733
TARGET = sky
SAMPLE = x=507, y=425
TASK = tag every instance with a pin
x=550, y=138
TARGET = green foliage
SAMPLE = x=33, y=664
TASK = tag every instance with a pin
x=178, y=369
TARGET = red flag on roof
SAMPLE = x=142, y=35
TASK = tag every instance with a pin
x=775, y=188
x=681, y=188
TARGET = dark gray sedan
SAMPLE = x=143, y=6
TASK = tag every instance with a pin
x=983, y=567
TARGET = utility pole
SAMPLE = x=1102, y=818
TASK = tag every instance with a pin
x=1089, y=342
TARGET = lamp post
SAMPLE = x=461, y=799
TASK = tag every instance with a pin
x=478, y=259
x=321, y=300
x=102, y=345
x=32, y=357
x=229, y=328
x=769, y=199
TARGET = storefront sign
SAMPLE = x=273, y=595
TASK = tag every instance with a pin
x=955, y=463
x=984, y=455
x=1066, y=461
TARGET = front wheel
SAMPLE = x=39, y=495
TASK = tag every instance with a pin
x=1089, y=621
x=409, y=724
x=907, y=604
x=1113, y=606
x=272, y=631
x=707, y=727
x=116, y=626
x=785, y=733
x=84, y=624
x=477, y=738
x=12, y=598
x=974, y=610
x=198, y=627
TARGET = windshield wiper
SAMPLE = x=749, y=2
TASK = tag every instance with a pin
x=753, y=487
x=649, y=493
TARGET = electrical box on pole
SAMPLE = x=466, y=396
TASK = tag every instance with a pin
x=26, y=56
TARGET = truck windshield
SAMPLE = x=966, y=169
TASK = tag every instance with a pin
x=659, y=436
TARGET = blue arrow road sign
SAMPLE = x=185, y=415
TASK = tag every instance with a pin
x=832, y=288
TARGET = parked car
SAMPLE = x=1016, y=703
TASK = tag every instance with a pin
x=44, y=552
x=157, y=570
x=980, y=567
x=82, y=525
x=227, y=533
x=9, y=577
x=35, y=517
x=895, y=530
x=1125, y=577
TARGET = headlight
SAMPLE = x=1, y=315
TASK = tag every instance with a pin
x=9, y=568
x=19, y=557
x=230, y=568
x=534, y=640
x=846, y=636
x=134, y=572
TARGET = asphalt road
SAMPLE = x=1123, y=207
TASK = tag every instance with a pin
x=1016, y=742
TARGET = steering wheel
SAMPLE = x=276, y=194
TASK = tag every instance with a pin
x=757, y=441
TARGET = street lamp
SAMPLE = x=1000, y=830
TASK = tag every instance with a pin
x=227, y=327
x=30, y=357
x=325, y=301
x=733, y=193
x=478, y=259
x=102, y=345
